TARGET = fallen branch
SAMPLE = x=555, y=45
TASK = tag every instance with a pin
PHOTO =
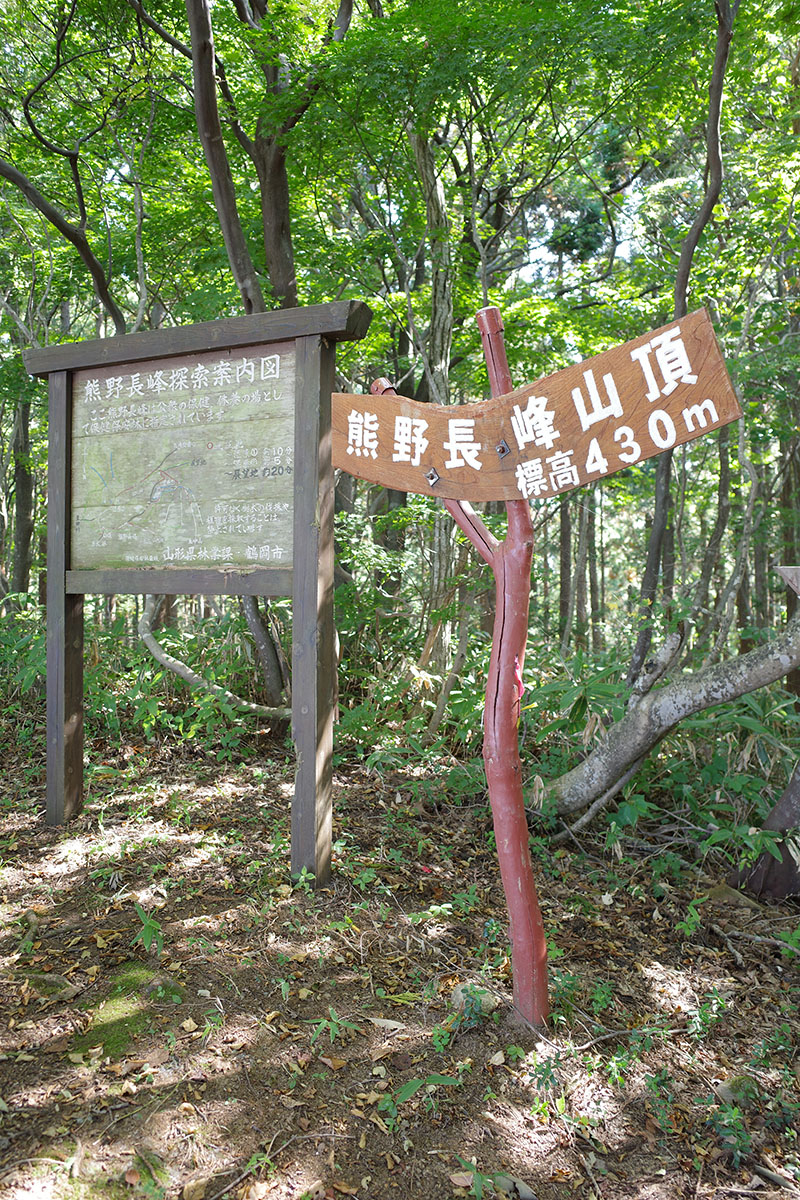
x=594, y=809
x=764, y=941
x=191, y=677
x=630, y=740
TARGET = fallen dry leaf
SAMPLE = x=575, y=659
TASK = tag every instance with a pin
x=195, y=1189
x=57, y=1046
x=335, y=1064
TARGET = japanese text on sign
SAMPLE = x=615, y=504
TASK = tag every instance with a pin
x=574, y=427
x=207, y=477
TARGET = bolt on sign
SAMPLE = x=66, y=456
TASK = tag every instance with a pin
x=568, y=429
x=197, y=461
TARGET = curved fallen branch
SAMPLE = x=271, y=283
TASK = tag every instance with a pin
x=191, y=677
x=645, y=724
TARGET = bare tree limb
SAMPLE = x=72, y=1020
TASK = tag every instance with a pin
x=73, y=234
x=647, y=722
x=191, y=677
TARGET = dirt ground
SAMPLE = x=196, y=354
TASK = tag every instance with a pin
x=177, y=1020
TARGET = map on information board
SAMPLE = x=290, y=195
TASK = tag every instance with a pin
x=185, y=462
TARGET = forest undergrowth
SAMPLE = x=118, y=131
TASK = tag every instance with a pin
x=180, y=1019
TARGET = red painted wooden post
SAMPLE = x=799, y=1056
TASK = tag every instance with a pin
x=511, y=563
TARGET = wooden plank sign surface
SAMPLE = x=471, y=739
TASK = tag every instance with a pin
x=791, y=576
x=185, y=461
x=567, y=429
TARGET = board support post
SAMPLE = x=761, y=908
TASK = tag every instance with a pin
x=64, y=623
x=313, y=660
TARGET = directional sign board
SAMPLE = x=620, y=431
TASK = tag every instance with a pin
x=568, y=429
x=790, y=575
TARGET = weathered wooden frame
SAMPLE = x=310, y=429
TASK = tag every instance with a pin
x=314, y=331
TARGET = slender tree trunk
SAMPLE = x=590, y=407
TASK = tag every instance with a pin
x=581, y=610
x=668, y=558
x=744, y=614
x=761, y=606
x=544, y=565
x=436, y=357
x=565, y=571
x=210, y=131
x=726, y=15
x=595, y=597
x=440, y=333
x=23, y=502
x=4, y=580
x=790, y=506
x=714, y=544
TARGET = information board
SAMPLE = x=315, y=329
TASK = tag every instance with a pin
x=185, y=462
x=197, y=460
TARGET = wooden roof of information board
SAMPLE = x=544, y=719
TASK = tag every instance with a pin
x=343, y=320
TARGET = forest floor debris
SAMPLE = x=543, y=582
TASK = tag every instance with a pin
x=178, y=1020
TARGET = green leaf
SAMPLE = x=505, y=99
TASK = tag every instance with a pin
x=409, y=1089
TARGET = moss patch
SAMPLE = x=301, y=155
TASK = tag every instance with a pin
x=123, y=1015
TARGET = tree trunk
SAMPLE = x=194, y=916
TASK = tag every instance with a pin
x=23, y=502
x=744, y=614
x=651, y=716
x=776, y=878
x=436, y=357
x=565, y=571
x=270, y=162
x=790, y=506
x=271, y=673
x=726, y=14
x=668, y=558
x=440, y=333
x=210, y=131
x=714, y=544
x=595, y=595
x=761, y=611
x=581, y=610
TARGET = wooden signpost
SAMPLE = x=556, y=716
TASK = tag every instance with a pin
x=198, y=461
x=568, y=429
